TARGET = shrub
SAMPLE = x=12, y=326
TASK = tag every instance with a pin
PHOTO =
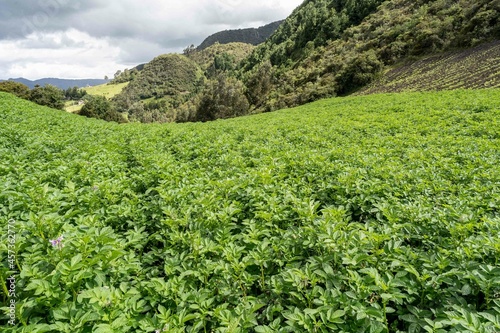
x=15, y=88
x=48, y=95
x=223, y=98
x=74, y=93
x=99, y=107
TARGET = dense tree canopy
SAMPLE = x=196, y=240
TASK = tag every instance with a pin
x=48, y=95
x=101, y=108
x=331, y=47
x=15, y=88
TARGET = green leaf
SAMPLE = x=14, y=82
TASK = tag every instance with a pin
x=104, y=328
x=409, y=318
x=376, y=327
x=76, y=260
x=60, y=314
x=466, y=290
x=311, y=312
x=336, y=317
x=90, y=316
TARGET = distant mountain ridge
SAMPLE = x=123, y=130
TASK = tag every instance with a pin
x=60, y=83
x=252, y=36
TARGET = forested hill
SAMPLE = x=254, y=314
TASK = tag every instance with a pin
x=334, y=47
x=325, y=48
x=252, y=36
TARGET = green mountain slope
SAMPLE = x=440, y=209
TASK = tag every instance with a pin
x=474, y=68
x=253, y=36
x=167, y=80
x=214, y=56
x=361, y=214
x=327, y=48
x=170, y=87
x=315, y=22
x=324, y=48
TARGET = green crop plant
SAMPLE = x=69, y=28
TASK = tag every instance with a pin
x=372, y=213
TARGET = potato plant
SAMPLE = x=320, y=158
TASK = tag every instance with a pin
x=362, y=214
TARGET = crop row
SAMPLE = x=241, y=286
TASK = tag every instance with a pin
x=476, y=68
x=365, y=214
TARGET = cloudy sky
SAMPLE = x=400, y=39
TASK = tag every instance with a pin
x=94, y=38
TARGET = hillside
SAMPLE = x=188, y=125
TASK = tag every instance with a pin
x=325, y=48
x=107, y=90
x=60, y=83
x=126, y=75
x=166, y=81
x=253, y=36
x=233, y=53
x=334, y=47
x=474, y=68
x=372, y=214
x=171, y=87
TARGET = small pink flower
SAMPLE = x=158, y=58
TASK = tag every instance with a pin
x=57, y=242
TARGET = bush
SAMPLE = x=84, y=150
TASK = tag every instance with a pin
x=99, y=107
x=74, y=93
x=15, y=88
x=259, y=84
x=48, y=95
x=223, y=98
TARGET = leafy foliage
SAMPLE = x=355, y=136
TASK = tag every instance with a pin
x=47, y=95
x=126, y=75
x=252, y=36
x=223, y=98
x=327, y=48
x=74, y=93
x=101, y=108
x=171, y=77
x=221, y=57
x=362, y=214
x=16, y=88
x=316, y=21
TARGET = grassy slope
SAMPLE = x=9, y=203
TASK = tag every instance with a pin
x=474, y=68
x=106, y=90
x=381, y=207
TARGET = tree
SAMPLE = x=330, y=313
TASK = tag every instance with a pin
x=48, y=95
x=74, y=93
x=99, y=107
x=223, y=98
x=15, y=88
x=222, y=63
x=189, y=50
x=259, y=84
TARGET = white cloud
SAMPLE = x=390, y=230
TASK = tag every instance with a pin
x=91, y=38
x=69, y=54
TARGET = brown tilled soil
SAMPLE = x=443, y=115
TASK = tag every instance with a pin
x=474, y=68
